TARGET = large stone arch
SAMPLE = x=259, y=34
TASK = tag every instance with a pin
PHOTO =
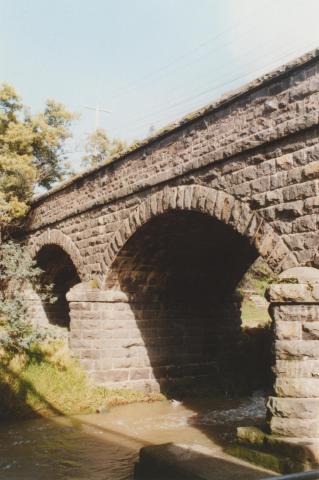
x=59, y=239
x=215, y=203
x=169, y=296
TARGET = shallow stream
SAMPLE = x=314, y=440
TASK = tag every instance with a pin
x=106, y=445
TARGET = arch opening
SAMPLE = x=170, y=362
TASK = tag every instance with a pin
x=59, y=272
x=180, y=272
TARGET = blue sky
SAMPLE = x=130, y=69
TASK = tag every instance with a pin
x=148, y=61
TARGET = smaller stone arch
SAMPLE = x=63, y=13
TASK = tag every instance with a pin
x=56, y=237
x=215, y=203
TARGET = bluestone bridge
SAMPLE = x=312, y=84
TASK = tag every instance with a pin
x=146, y=252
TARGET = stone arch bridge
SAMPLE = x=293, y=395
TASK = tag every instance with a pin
x=151, y=246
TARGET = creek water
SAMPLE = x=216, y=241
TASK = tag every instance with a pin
x=106, y=445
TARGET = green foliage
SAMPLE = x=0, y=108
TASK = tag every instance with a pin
x=17, y=272
x=46, y=381
x=254, y=316
x=100, y=149
x=257, y=278
x=31, y=150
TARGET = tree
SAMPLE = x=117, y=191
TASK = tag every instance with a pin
x=100, y=149
x=31, y=150
x=31, y=153
x=18, y=272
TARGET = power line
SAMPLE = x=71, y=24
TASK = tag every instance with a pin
x=173, y=62
x=207, y=91
x=210, y=86
x=97, y=110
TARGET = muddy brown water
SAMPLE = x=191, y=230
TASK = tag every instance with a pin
x=105, y=446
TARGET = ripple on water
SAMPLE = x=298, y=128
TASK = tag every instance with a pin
x=105, y=446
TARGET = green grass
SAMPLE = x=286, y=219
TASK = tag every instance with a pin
x=46, y=381
x=253, y=316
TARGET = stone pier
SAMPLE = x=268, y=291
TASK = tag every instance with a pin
x=146, y=343
x=291, y=440
x=294, y=410
x=173, y=224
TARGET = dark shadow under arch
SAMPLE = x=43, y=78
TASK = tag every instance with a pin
x=60, y=272
x=180, y=272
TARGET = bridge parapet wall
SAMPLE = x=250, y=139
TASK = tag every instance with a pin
x=259, y=144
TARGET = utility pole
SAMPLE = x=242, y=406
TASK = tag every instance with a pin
x=97, y=110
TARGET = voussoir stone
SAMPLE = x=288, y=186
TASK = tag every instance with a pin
x=168, y=225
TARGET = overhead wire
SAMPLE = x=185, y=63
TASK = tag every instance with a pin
x=207, y=91
x=174, y=62
x=132, y=118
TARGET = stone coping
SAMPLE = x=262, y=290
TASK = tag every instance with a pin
x=293, y=293
x=84, y=293
x=221, y=102
x=298, y=285
x=300, y=275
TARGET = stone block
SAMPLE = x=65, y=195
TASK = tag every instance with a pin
x=92, y=353
x=140, y=374
x=303, y=368
x=288, y=330
x=122, y=362
x=296, y=349
x=290, y=454
x=297, y=387
x=116, y=375
x=298, y=408
x=299, y=313
x=302, y=293
x=311, y=330
x=295, y=427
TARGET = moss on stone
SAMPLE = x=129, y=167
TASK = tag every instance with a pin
x=268, y=460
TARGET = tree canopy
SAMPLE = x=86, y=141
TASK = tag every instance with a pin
x=31, y=150
x=100, y=149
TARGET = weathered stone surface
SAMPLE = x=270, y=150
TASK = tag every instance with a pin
x=83, y=293
x=297, y=387
x=295, y=427
x=247, y=166
x=297, y=368
x=311, y=330
x=192, y=462
x=301, y=275
x=287, y=330
x=302, y=293
x=285, y=454
x=296, y=349
x=300, y=408
x=295, y=410
x=298, y=313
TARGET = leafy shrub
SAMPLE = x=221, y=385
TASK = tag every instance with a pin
x=17, y=272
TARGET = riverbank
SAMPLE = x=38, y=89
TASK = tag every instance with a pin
x=46, y=381
x=107, y=445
